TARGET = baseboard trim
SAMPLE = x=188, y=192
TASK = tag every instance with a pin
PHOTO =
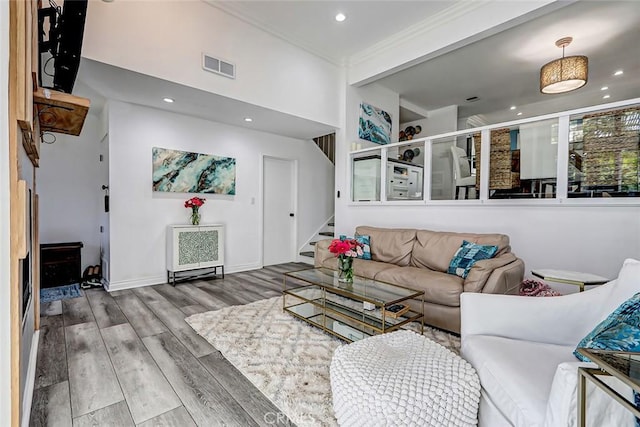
x=135, y=283
x=242, y=267
x=27, y=397
x=158, y=280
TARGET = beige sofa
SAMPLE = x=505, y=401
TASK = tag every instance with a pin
x=419, y=259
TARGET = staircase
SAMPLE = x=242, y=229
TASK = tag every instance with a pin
x=307, y=252
x=327, y=143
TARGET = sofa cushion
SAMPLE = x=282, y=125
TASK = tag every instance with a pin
x=516, y=375
x=392, y=245
x=369, y=269
x=435, y=249
x=440, y=288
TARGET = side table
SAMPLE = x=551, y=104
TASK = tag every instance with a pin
x=622, y=365
x=570, y=277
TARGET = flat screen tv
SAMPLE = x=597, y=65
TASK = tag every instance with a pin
x=65, y=32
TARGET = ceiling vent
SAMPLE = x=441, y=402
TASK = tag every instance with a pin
x=218, y=66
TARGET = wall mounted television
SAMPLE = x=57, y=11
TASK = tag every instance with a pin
x=60, y=33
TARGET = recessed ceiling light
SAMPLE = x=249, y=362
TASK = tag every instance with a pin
x=519, y=113
x=618, y=73
x=606, y=96
x=513, y=107
x=340, y=17
x=168, y=100
x=604, y=88
x=248, y=119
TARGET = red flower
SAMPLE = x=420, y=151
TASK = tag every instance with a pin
x=347, y=247
x=194, y=202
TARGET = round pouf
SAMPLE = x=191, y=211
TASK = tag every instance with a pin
x=403, y=379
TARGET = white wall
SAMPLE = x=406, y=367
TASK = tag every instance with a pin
x=71, y=200
x=139, y=216
x=166, y=39
x=5, y=248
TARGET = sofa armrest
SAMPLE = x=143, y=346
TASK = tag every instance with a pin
x=499, y=275
x=321, y=253
x=562, y=320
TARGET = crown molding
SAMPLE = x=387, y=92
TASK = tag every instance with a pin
x=240, y=11
x=420, y=29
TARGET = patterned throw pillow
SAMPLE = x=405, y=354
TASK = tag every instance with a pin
x=619, y=331
x=365, y=241
x=467, y=255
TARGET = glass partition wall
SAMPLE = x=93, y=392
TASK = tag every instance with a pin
x=603, y=153
x=593, y=152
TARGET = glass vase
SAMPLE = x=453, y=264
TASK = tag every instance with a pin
x=345, y=269
x=195, y=216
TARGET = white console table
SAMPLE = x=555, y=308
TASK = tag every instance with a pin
x=194, y=247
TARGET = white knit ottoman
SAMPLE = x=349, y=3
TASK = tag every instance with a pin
x=403, y=379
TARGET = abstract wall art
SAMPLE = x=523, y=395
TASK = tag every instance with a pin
x=375, y=124
x=185, y=172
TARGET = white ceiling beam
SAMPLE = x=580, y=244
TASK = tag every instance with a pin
x=457, y=26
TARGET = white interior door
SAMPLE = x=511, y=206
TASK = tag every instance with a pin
x=278, y=211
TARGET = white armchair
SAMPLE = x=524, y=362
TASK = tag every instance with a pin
x=522, y=349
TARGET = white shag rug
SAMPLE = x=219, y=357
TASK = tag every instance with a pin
x=285, y=358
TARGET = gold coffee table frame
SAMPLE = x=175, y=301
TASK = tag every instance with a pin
x=338, y=308
x=619, y=364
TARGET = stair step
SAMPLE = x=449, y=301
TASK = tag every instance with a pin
x=310, y=254
x=327, y=233
x=331, y=224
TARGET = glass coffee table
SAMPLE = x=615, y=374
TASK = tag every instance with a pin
x=622, y=365
x=350, y=311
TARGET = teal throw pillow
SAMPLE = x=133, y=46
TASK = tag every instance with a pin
x=365, y=241
x=467, y=255
x=619, y=331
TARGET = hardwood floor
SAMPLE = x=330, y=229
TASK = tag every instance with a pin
x=128, y=358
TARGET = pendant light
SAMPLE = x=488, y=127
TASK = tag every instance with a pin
x=564, y=74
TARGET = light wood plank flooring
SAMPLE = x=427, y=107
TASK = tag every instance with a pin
x=128, y=358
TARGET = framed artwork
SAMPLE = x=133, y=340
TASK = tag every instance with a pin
x=186, y=172
x=375, y=124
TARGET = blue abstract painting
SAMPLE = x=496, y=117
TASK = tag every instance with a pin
x=375, y=124
x=184, y=172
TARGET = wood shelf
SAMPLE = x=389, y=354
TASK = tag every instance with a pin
x=60, y=112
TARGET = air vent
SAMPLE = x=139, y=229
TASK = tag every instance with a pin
x=218, y=66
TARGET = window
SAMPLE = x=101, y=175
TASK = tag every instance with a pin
x=603, y=154
x=524, y=161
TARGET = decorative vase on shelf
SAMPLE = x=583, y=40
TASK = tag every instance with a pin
x=345, y=269
x=195, y=216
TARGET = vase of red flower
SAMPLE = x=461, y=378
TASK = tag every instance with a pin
x=194, y=203
x=345, y=250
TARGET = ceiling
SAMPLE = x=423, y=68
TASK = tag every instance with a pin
x=502, y=70
x=99, y=81
x=312, y=25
